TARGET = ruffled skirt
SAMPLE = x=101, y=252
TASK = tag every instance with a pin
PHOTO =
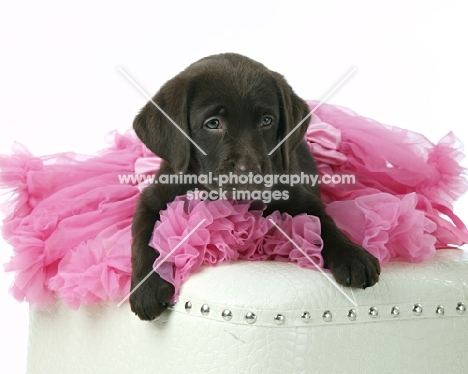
x=69, y=216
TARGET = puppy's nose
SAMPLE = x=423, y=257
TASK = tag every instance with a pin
x=244, y=167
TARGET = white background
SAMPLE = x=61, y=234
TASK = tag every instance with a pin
x=60, y=88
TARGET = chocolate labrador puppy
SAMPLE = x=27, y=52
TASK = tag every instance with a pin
x=236, y=111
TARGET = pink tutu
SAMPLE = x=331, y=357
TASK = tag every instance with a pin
x=69, y=219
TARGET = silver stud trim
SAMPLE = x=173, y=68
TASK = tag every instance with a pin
x=226, y=314
x=250, y=318
x=405, y=311
x=205, y=310
x=373, y=312
x=327, y=316
x=417, y=309
x=280, y=319
x=461, y=308
x=440, y=311
x=305, y=317
x=352, y=315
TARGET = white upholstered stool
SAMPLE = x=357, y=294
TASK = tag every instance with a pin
x=268, y=317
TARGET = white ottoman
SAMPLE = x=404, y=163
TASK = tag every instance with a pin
x=267, y=317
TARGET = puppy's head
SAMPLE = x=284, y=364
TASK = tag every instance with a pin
x=231, y=107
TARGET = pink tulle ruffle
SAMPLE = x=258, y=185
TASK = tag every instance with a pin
x=69, y=219
x=64, y=205
x=228, y=231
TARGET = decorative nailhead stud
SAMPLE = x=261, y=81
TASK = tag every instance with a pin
x=226, y=314
x=440, y=311
x=327, y=316
x=373, y=312
x=417, y=309
x=461, y=308
x=352, y=315
x=395, y=312
x=250, y=318
x=305, y=317
x=188, y=306
x=205, y=310
x=279, y=319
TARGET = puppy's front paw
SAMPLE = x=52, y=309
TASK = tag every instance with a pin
x=151, y=298
x=353, y=266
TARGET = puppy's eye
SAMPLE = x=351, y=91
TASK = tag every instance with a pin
x=212, y=123
x=267, y=121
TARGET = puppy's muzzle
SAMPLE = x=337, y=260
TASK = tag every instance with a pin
x=246, y=167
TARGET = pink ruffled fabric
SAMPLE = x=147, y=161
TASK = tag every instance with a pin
x=69, y=218
x=230, y=230
x=66, y=204
x=394, y=161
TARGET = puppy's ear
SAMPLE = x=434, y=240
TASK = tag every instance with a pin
x=293, y=111
x=159, y=134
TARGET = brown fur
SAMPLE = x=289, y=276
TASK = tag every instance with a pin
x=237, y=93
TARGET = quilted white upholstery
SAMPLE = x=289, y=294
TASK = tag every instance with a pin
x=108, y=339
